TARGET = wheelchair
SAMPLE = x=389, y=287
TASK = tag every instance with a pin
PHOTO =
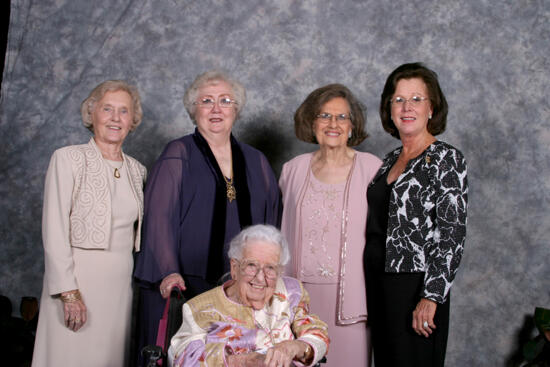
x=154, y=355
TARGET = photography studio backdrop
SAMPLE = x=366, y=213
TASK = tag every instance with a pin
x=491, y=57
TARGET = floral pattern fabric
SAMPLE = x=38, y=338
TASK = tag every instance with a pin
x=214, y=326
x=427, y=217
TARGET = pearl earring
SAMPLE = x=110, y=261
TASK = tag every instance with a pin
x=429, y=116
x=349, y=135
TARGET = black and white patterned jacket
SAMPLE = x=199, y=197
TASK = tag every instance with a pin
x=427, y=217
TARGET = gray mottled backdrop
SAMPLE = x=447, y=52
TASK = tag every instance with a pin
x=491, y=56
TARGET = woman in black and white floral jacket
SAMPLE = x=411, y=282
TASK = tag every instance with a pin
x=416, y=225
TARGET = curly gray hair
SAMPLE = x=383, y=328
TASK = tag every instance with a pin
x=213, y=77
x=262, y=232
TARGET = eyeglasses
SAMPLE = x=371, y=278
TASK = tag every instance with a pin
x=414, y=101
x=209, y=102
x=252, y=268
x=340, y=118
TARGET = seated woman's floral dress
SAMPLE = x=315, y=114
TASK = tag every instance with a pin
x=214, y=326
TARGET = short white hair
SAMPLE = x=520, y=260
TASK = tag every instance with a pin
x=261, y=232
x=213, y=77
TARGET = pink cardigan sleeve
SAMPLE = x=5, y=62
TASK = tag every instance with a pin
x=291, y=183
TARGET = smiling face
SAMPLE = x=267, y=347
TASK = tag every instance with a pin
x=215, y=120
x=333, y=133
x=112, y=117
x=255, y=291
x=411, y=120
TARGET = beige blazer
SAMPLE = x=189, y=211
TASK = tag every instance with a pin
x=77, y=209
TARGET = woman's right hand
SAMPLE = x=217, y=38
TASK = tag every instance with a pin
x=74, y=310
x=169, y=282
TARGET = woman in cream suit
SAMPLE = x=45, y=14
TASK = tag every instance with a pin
x=325, y=214
x=93, y=206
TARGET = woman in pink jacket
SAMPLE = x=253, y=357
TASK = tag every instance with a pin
x=324, y=217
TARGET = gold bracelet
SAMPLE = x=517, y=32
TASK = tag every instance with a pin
x=71, y=297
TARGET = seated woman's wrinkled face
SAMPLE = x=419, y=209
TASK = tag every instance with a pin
x=257, y=273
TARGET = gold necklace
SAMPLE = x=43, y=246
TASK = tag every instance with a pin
x=116, y=172
x=230, y=189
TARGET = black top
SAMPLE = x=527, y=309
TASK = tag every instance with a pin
x=378, y=197
x=427, y=217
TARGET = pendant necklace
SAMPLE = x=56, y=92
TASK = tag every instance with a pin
x=116, y=171
x=230, y=189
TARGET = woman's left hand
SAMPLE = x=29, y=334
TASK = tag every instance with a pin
x=423, y=317
x=282, y=354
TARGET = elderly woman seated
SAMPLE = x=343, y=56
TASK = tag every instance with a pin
x=259, y=318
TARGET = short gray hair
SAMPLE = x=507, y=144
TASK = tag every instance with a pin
x=262, y=232
x=209, y=78
x=88, y=105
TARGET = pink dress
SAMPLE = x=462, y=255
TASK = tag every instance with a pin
x=325, y=226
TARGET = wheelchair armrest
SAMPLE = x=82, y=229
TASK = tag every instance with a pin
x=151, y=355
x=322, y=360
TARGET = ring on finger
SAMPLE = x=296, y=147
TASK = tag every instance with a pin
x=425, y=324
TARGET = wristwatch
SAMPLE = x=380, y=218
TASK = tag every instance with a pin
x=307, y=352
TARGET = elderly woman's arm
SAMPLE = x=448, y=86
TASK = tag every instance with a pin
x=59, y=265
x=192, y=346
x=310, y=330
x=158, y=259
x=284, y=353
x=188, y=346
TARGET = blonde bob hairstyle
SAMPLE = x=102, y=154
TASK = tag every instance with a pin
x=213, y=77
x=87, y=106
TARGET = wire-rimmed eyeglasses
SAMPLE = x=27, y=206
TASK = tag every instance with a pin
x=340, y=118
x=252, y=268
x=209, y=102
x=413, y=101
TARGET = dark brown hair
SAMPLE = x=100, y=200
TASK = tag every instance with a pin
x=309, y=109
x=436, y=125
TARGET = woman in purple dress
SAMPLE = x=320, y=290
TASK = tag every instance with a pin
x=204, y=188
